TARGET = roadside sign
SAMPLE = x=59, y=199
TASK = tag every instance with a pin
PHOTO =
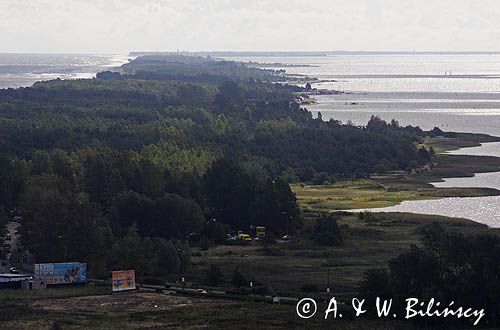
x=123, y=280
x=61, y=273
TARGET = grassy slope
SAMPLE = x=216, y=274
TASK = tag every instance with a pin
x=26, y=310
x=366, y=245
x=283, y=269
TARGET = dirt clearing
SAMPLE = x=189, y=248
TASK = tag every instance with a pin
x=119, y=303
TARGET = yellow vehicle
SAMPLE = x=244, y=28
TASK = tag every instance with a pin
x=244, y=237
x=260, y=231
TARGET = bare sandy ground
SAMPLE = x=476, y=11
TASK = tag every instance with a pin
x=124, y=302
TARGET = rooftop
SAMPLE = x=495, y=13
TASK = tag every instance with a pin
x=8, y=275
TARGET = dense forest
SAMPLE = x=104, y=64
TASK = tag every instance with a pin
x=448, y=266
x=119, y=170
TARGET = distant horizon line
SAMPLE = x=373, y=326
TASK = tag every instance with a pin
x=272, y=53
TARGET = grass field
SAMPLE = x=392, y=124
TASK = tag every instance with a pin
x=286, y=269
x=348, y=195
x=383, y=191
x=84, y=309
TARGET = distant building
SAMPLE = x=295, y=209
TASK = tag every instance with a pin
x=14, y=281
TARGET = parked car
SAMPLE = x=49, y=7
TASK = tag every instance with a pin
x=14, y=270
x=244, y=237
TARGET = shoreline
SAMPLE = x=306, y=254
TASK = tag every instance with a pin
x=380, y=192
x=395, y=189
x=448, y=200
x=445, y=165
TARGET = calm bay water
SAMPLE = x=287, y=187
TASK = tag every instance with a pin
x=22, y=70
x=480, y=180
x=458, y=93
x=481, y=209
x=454, y=92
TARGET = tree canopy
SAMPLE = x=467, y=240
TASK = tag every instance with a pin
x=166, y=144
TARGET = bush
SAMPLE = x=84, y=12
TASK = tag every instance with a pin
x=214, y=275
x=271, y=251
x=320, y=178
x=375, y=284
x=238, y=279
x=326, y=231
x=367, y=217
x=260, y=289
x=204, y=243
x=56, y=325
x=152, y=280
x=215, y=232
x=270, y=238
x=309, y=288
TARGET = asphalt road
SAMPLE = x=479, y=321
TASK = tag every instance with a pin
x=11, y=229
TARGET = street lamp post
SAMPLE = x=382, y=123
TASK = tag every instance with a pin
x=181, y=270
x=328, y=281
x=286, y=222
x=327, y=278
x=35, y=246
x=65, y=248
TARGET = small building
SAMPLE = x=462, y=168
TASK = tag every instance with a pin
x=14, y=281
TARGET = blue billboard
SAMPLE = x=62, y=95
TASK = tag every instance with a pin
x=61, y=273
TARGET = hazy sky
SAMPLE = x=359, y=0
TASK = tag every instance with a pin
x=120, y=26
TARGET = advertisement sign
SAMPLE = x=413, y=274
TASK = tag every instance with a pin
x=61, y=273
x=123, y=280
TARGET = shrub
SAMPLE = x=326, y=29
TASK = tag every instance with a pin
x=204, y=243
x=238, y=279
x=308, y=288
x=271, y=251
x=214, y=275
x=326, y=231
